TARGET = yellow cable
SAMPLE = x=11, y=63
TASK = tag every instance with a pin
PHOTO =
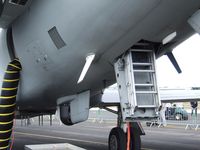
x=2, y=140
x=9, y=80
x=7, y=71
x=5, y=106
x=8, y=89
x=7, y=114
x=3, y=123
x=4, y=147
x=7, y=97
x=15, y=66
x=5, y=131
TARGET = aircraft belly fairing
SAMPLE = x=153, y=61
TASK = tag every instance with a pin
x=52, y=45
x=91, y=32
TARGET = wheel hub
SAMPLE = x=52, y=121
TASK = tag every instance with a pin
x=113, y=142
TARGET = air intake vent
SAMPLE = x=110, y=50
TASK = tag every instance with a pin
x=19, y=2
x=56, y=38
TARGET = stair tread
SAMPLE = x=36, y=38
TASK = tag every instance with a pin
x=146, y=106
x=144, y=84
x=142, y=64
x=141, y=50
x=146, y=92
x=137, y=70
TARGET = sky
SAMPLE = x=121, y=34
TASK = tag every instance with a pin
x=187, y=55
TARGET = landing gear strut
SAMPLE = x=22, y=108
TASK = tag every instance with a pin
x=126, y=136
x=118, y=139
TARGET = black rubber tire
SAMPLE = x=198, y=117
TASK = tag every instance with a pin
x=135, y=139
x=117, y=139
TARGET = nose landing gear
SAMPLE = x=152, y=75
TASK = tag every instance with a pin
x=129, y=140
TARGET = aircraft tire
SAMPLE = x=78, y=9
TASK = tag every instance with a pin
x=135, y=139
x=117, y=139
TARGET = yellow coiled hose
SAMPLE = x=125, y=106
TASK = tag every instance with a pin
x=8, y=102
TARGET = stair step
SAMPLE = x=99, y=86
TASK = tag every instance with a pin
x=141, y=44
x=144, y=85
x=142, y=64
x=146, y=106
x=141, y=50
x=146, y=92
x=144, y=71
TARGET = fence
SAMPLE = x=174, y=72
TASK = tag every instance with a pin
x=192, y=121
x=188, y=121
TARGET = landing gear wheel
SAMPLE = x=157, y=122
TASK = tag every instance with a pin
x=135, y=140
x=117, y=139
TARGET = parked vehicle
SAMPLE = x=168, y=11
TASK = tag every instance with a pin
x=176, y=113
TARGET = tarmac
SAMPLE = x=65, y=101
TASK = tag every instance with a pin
x=94, y=136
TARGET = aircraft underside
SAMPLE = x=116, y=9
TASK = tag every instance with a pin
x=117, y=41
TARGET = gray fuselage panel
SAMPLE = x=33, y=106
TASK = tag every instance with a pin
x=52, y=60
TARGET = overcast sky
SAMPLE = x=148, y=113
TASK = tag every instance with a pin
x=188, y=56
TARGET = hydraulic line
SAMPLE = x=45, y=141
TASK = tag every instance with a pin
x=128, y=136
x=8, y=102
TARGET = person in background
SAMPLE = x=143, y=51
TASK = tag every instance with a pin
x=162, y=115
x=194, y=106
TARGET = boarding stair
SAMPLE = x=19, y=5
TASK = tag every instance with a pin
x=137, y=84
